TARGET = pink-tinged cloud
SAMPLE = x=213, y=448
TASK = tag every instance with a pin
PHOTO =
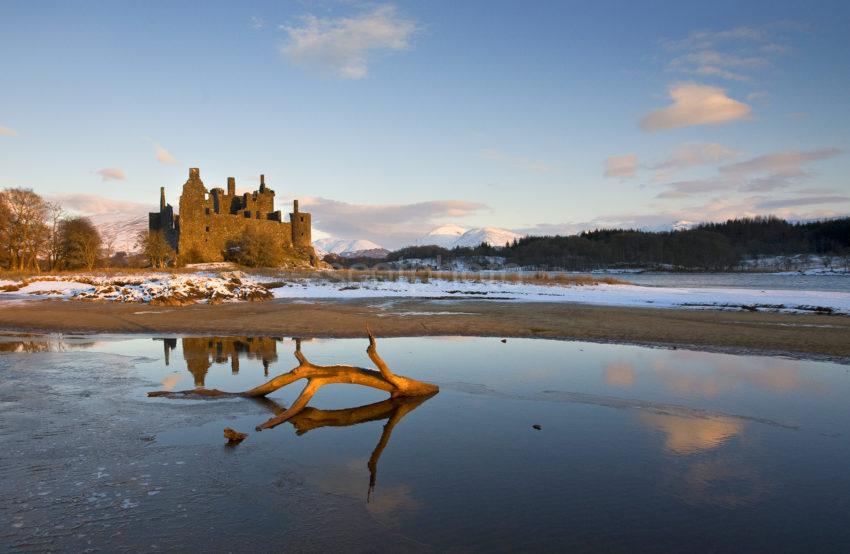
x=695, y=104
x=7, y=132
x=765, y=173
x=718, y=209
x=92, y=204
x=780, y=162
x=163, y=156
x=693, y=154
x=111, y=174
x=392, y=225
x=621, y=166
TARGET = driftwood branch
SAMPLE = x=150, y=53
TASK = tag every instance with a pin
x=317, y=376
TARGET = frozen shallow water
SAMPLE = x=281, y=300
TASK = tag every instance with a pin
x=640, y=449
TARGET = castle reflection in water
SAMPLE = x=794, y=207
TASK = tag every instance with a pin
x=201, y=352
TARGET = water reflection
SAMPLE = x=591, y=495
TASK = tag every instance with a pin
x=702, y=374
x=620, y=374
x=406, y=394
x=640, y=449
x=689, y=435
x=391, y=409
x=201, y=352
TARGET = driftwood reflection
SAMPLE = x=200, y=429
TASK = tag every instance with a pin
x=405, y=395
x=318, y=376
x=391, y=409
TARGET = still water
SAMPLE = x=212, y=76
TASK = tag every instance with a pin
x=639, y=449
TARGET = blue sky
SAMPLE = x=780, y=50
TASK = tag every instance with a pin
x=388, y=119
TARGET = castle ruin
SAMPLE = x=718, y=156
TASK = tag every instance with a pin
x=209, y=220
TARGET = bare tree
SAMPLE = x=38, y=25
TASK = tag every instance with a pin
x=155, y=248
x=26, y=230
x=55, y=215
x=5, y=220
x=109, y=240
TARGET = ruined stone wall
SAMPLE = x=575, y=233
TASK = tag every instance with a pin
x=209, y=220
x=301, y=229
x=209, y=239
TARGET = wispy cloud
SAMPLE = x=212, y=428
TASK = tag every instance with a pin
x=803, y=201
x=765, y=173
x=256, y=22
x=790, y=161
x=91, y=204
x=692, y=154
x=621, y=166
x=717, y=64
x=7, y=132
x=731, y=54
x=703, y=40
x=391, y=225
x=111, y=174
x=345, y=46
x=718, y=209
x=695, y=104
x=520, y=162
x=163, y=156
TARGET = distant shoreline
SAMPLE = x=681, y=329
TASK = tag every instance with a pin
x=809, y=336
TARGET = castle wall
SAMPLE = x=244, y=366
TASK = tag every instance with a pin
x=209, y=238
x=301, y=229
x=209, y=220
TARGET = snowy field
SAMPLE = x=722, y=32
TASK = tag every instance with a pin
x=210, y=287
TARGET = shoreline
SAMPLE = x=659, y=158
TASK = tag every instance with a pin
x=806, y=336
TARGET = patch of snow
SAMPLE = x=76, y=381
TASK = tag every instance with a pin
x=54, y=288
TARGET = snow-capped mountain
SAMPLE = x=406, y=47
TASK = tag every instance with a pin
x=121, y=229
x=683, y=225
x=445, y=236
x=450, y=236
x=349, y=247
x=491, y=235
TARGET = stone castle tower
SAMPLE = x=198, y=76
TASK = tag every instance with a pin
x=209, y=220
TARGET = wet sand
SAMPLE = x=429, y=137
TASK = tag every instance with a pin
x=806, y=336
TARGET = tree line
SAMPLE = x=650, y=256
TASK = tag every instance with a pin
x=39, y=235
x=706, y=247
x=36, y=234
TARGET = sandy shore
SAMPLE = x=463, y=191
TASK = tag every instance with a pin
x=809, y=336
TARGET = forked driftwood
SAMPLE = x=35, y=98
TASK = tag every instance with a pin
x=317, y=376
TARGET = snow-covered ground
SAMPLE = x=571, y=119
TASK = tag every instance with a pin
x=154, y=288
x=602, y=294
x=176, y=289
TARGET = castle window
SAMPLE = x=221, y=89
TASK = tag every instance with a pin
x=207, y=211
x=208, y=229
